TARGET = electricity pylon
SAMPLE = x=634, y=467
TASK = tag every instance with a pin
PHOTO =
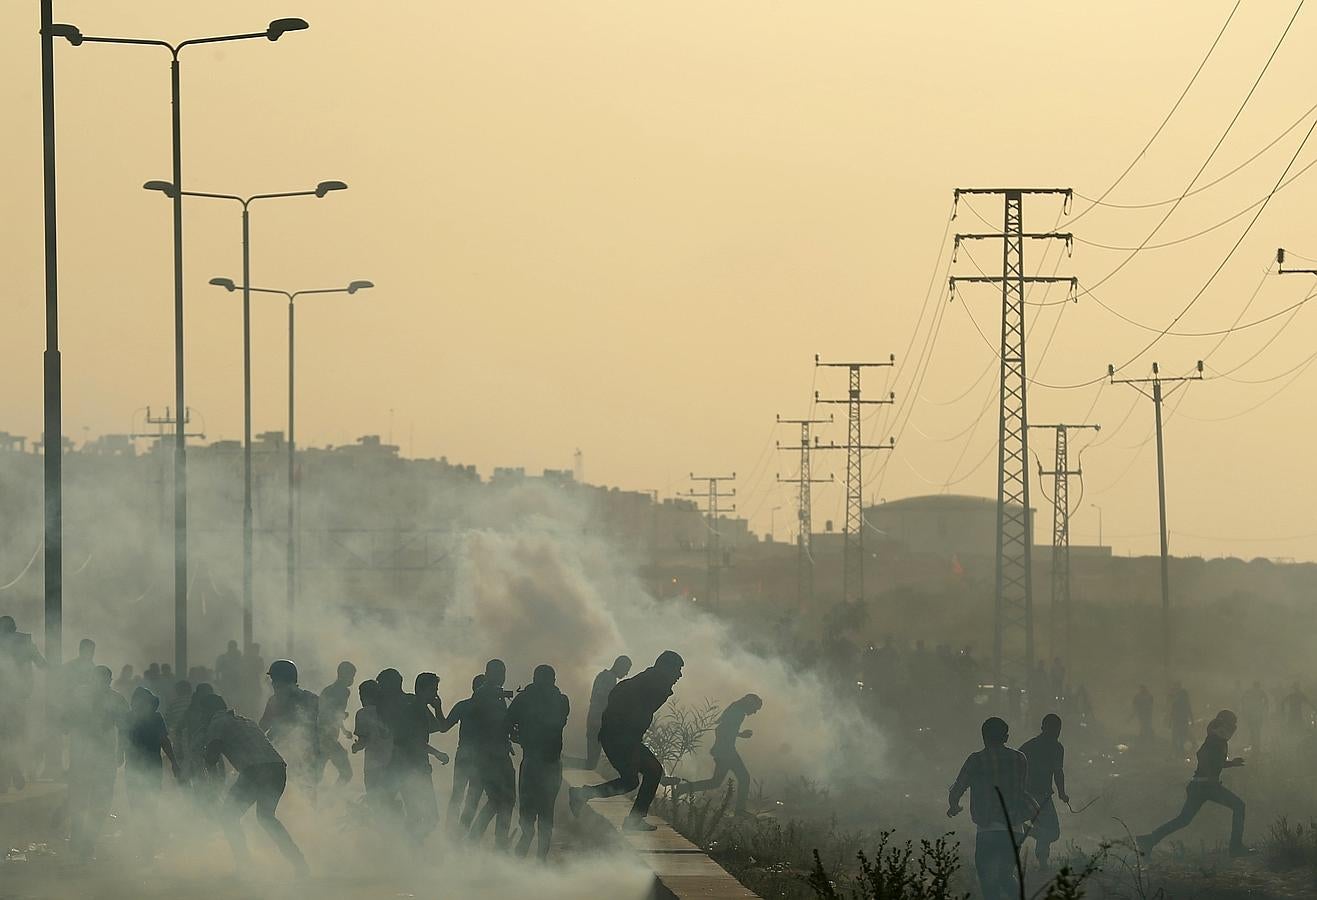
x=1013, y=594
x=852, y=581
x=804, y=514
x=1061, y=472
x=712, y=541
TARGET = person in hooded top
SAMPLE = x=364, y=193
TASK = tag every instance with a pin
x=536, y=718
x=628, y=715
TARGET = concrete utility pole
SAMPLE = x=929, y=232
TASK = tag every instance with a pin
x=852, y=581
x=1061, y=472
x=1156, y=397
x=804, y=514
x=713, y=540
x=1013, y=595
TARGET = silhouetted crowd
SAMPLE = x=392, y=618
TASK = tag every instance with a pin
x=226, y=762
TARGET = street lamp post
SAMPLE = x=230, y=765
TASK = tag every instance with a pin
x=276, y=29
x=291, y=553
x=321, y=190
x=52, y=445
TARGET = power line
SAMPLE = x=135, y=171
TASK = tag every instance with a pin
x=1211, y=184
x=1184, y=93
x=1209, y=229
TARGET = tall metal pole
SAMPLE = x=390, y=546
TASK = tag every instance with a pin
x=1161, y=510
x=291, y=553
x=713, y=540
x=1156, y=381
x=1060, y=597
x=52, y=447
x=246, y=434
x=1013, y=593
x=804, y=510
x=852, y=571
x=180, y=435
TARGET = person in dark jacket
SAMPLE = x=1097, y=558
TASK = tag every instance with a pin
x=603, y=685
x=995, y=768
x=725, y=757
x=487, y=721
x=1205, y=787
x=465, y=796
x=411, y=719
x=147, y=737
x=1046, y=756
x=536, y=718
x=628, y=715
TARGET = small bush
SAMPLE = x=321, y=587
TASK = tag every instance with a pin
x=1289, y=846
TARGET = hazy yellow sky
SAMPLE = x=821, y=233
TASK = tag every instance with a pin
x=627, y=227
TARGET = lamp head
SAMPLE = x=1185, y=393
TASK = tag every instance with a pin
x=70, y=33
x=279, y=27
x=226, y=283
x=359, y=285
x=1280, y=251
x=325, y=187
x=164, y=187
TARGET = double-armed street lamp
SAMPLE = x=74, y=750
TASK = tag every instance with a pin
x=321, y=190
x=291, y=554
x=276, y=29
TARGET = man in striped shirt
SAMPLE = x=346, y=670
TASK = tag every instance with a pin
x=999, y=805
x=262, y=776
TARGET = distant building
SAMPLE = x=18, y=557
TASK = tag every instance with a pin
x=946, y=525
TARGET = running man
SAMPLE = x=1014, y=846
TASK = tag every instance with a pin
x=725, y=758
x=630, y=712
x=1206, y=787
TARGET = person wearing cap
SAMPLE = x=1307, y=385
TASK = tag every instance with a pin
x=292, y=720
x=262, y=777
x=1046, y=756
x=1205, y=787
x=603, y=685
x=628, y=715
x=998, y=805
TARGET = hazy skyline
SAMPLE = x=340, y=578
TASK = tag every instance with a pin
x=627, y=228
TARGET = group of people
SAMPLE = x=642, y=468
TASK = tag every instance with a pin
x=1013, y=796
x=1267, y=716
x=226, y=762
